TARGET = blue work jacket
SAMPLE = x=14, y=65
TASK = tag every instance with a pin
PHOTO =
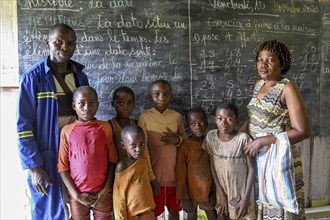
x=38, y=134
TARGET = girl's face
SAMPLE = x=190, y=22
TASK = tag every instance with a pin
x=124, y=104
x=85, y=104
x=226, y=121
x=268, y=65
x=197, y=124
x=134, y=145
x=161, y=96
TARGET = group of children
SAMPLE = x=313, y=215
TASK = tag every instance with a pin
x=138, y=167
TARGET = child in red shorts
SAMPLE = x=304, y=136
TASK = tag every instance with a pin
x=163, y=128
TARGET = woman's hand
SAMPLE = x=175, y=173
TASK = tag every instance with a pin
x=253, y=147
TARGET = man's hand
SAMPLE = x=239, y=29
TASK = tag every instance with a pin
x=39, y=178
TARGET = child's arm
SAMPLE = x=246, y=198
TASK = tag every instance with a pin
x=222, y=202
x=119, y=198
x=181, y=177
x=112, y=160
x=153, y=181
x=84, y=198
x=244, y=203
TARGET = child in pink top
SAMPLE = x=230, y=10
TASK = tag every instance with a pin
x=87, y=158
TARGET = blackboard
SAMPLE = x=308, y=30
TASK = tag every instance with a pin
x=205, y=49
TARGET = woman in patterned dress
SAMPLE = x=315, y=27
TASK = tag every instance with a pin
x=277, y=106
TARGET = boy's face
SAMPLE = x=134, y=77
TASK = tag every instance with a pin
x=85, y=104
x=161, y=96
x=197, y=124
x=226, y=121
x=133, y=143
x=124, y=104
x=62, y=44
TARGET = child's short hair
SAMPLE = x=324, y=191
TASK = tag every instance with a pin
x=123, y=89
x=195, y=110
x=161, y=81
x=129, y=129
x=228, y=106
x=83, y=89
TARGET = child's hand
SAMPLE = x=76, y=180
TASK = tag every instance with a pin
x=155, y=187
x=101, y=196
x=242, y=208
x=187, y=205
x=87, y=199
x=222, y=205
x=169, y=137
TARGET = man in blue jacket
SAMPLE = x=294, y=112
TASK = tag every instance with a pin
x=44, y=107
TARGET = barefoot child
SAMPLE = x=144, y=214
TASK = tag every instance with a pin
x=123, y=100
x=232, y=171
x=87, y=158
x=132, y=193
x=163, y=128
x=193, y=171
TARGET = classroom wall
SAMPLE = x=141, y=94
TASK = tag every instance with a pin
x=14, y=200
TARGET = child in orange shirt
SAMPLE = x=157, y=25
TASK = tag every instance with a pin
x=193, y=171
x=132, y=192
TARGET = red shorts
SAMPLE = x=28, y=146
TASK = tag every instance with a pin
x=166, y=198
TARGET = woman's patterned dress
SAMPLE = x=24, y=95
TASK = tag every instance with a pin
x=268, y=116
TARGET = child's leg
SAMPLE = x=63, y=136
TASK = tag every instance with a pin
x=172, y=202
x=209, y=208
x=222, y=217
x=103, y=209
x=192, y=215
x=160, y=202
x=173, y=215
x=78, y=210
x=211, y=214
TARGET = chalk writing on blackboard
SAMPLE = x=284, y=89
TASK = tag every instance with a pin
x=205, y=49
